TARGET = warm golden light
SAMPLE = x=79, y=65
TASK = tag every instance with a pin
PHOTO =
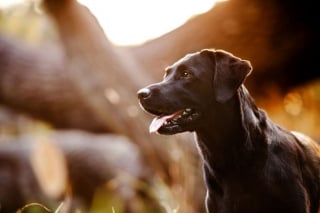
x=293, y=103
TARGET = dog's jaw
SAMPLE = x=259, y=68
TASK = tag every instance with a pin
x=173, y=123
x=162, y=120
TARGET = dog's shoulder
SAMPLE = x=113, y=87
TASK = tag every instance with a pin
x=307, y=142
x=302, y=137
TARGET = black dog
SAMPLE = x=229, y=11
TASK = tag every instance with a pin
x=251, y=165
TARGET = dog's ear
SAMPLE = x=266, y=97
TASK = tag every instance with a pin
x=230, y=72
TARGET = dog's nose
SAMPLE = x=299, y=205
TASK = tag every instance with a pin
x=144, y=93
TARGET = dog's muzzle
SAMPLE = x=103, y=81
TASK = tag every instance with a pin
x=168, y=120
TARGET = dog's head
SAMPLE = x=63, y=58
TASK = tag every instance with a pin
x=191, y=86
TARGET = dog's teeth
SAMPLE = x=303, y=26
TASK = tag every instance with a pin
x=188, y=110
x=184, y=113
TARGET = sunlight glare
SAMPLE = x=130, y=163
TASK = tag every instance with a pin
x=128, y=22
x=8, y=3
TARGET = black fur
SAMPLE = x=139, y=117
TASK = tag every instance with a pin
x=251, y=165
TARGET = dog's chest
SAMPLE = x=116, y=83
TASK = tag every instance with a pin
x=238, y=197
x=244, y=191
x=246, y=197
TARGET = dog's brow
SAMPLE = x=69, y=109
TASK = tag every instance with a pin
x=182, y=67
x=168, y=70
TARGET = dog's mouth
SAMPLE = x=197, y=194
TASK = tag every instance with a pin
x=172, y=123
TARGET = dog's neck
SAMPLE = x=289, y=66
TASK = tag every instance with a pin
x=231, y=135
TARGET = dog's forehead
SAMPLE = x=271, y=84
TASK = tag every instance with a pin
x=189, y=58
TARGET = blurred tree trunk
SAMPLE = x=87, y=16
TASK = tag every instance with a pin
x=105, y=79
x=35, y=81
x=37, y=167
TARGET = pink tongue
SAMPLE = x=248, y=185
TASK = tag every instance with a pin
x=159, y=121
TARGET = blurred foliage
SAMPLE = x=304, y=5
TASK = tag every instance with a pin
x=27, y=22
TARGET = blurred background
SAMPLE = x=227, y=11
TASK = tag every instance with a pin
x=72, y=135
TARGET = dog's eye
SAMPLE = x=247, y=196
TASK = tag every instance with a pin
x=186, y=74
